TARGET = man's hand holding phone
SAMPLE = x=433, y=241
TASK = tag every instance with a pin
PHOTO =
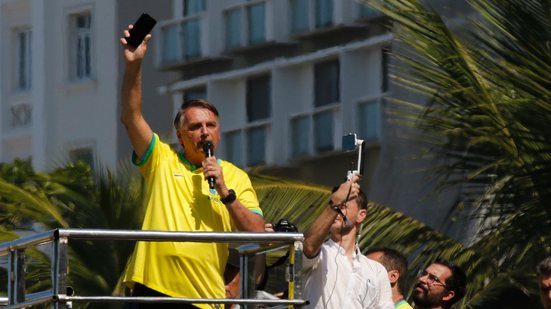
x=136, y=37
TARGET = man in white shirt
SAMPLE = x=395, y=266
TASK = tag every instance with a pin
x=336, y=273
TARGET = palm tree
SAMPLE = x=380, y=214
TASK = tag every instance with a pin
x=486, y=122
x=72, y=197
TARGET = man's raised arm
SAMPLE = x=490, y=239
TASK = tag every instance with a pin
x=138, y=129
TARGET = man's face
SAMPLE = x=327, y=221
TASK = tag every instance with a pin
x=545, y=291
x=353, y=214
x=431, y=290
x=198, y=125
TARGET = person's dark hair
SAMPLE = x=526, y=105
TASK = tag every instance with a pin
x=232, y=265
x=361, y=199
x=544, y=268
x=202, y=103
x=393, y=260
x=457, y=282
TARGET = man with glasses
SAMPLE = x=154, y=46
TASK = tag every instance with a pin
x=543, y=271
x=440, y=285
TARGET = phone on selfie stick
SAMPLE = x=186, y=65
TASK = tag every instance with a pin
x=140, y=29
x=350, y=143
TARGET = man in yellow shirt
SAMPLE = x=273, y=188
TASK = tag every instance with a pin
x=179, y=198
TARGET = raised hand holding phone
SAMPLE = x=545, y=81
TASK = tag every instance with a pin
x=140, y=29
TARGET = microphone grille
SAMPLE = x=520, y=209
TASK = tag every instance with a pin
x=207, y=146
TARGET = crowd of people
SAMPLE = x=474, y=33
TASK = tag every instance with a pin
x=193, y=190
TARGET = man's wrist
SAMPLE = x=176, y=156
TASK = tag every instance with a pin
x=229, y=198
x=335, y=206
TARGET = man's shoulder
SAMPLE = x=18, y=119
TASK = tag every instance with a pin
x=230, y=167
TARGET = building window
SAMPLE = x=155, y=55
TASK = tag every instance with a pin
x=234, y=147
x=299, y=16
x=369, y=116
x=23, y=60
x=81, y=46
x=300, y=136
x=84, y=154
x=326, y=83
x=256, y=23
x=169, y=42
x=256, y=145
x=308, y=15
x=324, y=13
x=258, y=98
x=323, y=131
x=181, y=39
x=192, y=7
x=233, y=28
x=191, y=28
x=246, y=24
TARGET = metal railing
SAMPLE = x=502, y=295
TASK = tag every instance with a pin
x=60, y=296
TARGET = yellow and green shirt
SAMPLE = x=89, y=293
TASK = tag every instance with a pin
x=402, y=305
x=179, y=199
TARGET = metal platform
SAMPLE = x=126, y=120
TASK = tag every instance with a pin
x=60, y=296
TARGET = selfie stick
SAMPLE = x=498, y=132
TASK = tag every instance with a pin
x=359, y=167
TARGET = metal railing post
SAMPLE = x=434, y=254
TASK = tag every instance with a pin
x=16, y=277
x=60, y=270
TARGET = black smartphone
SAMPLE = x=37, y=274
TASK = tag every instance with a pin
x=141, y=28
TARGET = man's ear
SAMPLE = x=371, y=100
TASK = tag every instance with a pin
x=393, y=276
x=179, y=136
x=362, y=214
x=448, y=296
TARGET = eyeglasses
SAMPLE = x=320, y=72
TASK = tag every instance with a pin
x=431, y=278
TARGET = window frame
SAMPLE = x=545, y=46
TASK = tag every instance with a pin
x=244, y=26
x=26, y=86
x=378, y=101
x=74, y=38
x=268, y=97
x=312, y=15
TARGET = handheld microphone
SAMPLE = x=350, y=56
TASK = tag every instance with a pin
x=208, y=148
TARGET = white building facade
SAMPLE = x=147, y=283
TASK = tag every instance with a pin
x=60, y=78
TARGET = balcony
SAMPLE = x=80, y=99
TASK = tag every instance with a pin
x=313, y=20
x=251, y=27
x=185, y=42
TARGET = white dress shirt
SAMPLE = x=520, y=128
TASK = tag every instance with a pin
x=332, y=281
